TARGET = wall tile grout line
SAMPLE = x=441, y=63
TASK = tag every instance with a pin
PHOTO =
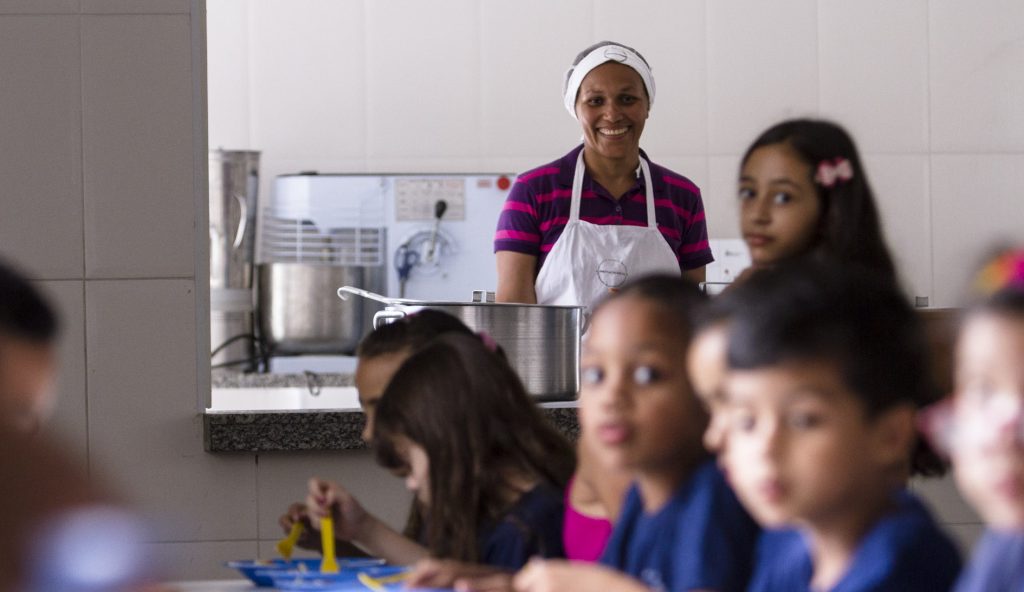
x=817, y=56
x=931, y=152
x=85, y=244
x=366, y=84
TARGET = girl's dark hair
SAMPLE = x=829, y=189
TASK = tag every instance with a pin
x=469, y=411
x=849, y=228
x=678, y=297
x=1008, y=301
x=859, y=321
x=24, y=313
x=409, y=333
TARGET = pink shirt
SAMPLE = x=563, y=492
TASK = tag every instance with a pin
x=583, y=537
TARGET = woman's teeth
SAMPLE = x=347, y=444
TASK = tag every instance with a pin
x=613, y=132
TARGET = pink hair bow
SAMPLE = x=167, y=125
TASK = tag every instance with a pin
x=832, y=172
x=488, y=341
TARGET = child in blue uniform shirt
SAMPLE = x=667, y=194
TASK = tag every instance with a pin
x=681, y=527
x=827, y=370
x=982, y=426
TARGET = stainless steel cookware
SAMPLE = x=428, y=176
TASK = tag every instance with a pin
x=298, y=315
x=234, y=179
x=234, y=176
x=542, y=342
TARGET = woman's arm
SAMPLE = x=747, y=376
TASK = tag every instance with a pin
x=697, y=274
x=516, y=277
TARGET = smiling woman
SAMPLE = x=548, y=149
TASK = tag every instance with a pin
x=578, y=228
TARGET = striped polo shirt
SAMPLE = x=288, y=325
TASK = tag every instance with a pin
x=537, y=210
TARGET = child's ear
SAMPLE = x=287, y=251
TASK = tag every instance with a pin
x=893, y=435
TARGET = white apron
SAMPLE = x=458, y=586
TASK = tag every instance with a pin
x=589, y=260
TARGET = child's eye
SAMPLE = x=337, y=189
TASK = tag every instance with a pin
x=645, y=375
x=782, y=198
x=979, y=389
x=804, y=421
x=742, y=420
x=745, y=193
x=592, y=375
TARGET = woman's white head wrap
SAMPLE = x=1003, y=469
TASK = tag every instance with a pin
x=601, y=53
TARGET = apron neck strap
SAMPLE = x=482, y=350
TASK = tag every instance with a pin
x=652, y=220
x=577, y=188
x=577, y=191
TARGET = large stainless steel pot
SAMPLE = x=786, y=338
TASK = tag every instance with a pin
x=234, y=180
x=298, y=314
x=542, y=342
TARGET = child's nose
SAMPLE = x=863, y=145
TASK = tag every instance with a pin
x=616, y=388
x=1008, y=417
x=762, y=209
x=771, y=439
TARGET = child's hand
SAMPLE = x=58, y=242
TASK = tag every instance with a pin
x=439, y=573
x=297, y=513
x=496, y=582
x=330, y=499
x=542, y=575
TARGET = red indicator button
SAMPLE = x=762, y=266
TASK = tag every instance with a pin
x=504, y=183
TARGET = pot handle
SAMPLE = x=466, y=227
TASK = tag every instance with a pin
x=345, y=290
x=387, y=316
x=364, y=293
x=243, y=217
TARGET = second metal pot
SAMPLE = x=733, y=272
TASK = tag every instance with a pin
x=542, y=342
x=298, y=314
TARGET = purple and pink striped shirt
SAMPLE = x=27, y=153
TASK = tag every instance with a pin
x=537, y=210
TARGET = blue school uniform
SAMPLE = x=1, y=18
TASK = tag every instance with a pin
x=532, y=527
x=904, y=552
x=997, y=564
x=701, y=539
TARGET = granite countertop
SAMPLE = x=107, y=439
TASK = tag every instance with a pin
x=310, y=429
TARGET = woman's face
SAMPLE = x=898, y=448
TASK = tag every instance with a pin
x=636, y=406
x=801, y=449
x=988, y=437
x=612, y=107
x=779, y=206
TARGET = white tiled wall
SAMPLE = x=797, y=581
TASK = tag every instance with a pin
x=364, y=86
x=41, y=220
x=977, y=87
x=100, y=156
x=136, y=87
x=762, y=67
x=873, y=71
